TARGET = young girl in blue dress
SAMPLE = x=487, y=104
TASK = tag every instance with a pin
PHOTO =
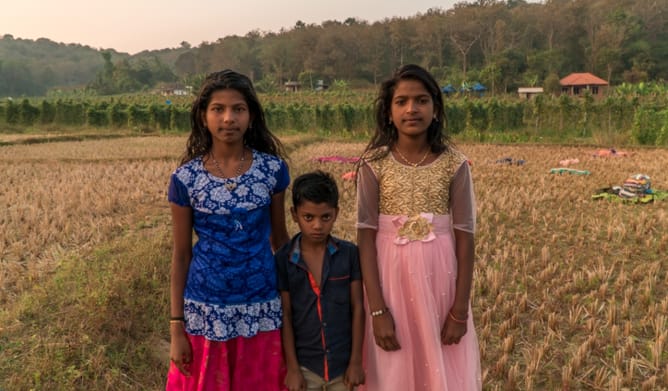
x=229, y=189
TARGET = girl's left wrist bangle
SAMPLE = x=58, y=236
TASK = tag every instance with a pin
x=380, y=312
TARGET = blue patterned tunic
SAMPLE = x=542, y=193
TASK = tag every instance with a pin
x=231, y=287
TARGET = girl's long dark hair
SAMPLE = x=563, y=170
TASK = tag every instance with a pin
x=258, y=136
x=386, y=133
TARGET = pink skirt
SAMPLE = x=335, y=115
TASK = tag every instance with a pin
x=239, y=364
x=418, y=282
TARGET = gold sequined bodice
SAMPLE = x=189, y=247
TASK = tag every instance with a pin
x=406, y=190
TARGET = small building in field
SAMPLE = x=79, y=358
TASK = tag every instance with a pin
x=321, y=85
x=577, y=83
x=529, y=92
x=175, y=89
x=292, y=86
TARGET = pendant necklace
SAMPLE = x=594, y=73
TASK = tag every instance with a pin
x=401, y=155
x=230, y=184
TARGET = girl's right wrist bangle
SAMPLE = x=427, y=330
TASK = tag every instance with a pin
x=456, y=320
x=380, y=312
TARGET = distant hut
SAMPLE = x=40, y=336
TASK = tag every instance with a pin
x=292, y=86
x=170, y=89
x=321, y=85
x=529, y=92
x=479, y=89
x=576, y=83
x=449, y=89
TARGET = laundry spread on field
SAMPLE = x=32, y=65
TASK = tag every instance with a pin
x=636, y=188
x=610, y=152
x=568, y=162
x=573, y=171
x=510, y=161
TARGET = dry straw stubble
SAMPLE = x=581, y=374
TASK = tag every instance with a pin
x=569, y=293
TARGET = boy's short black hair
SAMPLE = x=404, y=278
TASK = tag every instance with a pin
x=317, y=186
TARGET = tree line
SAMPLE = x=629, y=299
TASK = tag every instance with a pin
x=503, y=44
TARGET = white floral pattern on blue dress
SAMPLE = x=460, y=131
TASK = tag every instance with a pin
x=231, y=287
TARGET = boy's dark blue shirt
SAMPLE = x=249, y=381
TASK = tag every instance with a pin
x=323, y=339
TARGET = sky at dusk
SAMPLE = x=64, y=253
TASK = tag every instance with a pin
x=135, y=25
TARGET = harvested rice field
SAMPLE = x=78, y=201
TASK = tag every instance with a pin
x=570, y=292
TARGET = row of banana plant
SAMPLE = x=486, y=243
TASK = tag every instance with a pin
x=646, y=120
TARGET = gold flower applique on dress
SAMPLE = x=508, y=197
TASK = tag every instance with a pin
x=414, y=228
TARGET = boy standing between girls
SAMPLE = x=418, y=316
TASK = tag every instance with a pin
x=321, y=291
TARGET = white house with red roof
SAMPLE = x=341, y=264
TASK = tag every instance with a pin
x=576, y=83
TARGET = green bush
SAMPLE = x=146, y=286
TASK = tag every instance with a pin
x=12, y=113
x=179, y=118
x=118, y=116
x=138, y=117
x=159, y=116
x=97, y=117
x=649, y=126
x=70, y=113
x=29, y=113
x=455, y=118
x=47, y=112
x=346, y=116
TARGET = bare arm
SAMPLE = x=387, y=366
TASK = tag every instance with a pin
x=456, y=321
x=465, y=251
x=294, y=379
x=383, y=325
x=355, y=372
x=182, y=224
x=366, y=241
x=462, y=205
x=279, y=231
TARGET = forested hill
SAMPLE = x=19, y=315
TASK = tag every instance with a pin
x=31, y=67
x=503, y=44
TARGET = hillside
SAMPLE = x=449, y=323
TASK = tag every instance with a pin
x=503, y=44
x=33, y=67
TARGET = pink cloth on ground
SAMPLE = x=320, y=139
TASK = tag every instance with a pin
x=567, y=162
x=418, y=283
x=239, y=364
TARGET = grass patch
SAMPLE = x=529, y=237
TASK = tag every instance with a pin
x=95, y=323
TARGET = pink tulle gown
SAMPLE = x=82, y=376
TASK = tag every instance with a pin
x=414, y=210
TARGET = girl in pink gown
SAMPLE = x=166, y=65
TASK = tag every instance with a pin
x=416, y=223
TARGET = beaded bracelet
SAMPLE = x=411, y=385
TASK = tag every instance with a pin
x=455, y=319
x=380, y=312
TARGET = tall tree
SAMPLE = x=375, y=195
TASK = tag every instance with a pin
x=463, y=31
x=431, y=35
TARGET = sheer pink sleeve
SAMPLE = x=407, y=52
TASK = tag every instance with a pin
x=367, y=198
x=462, y=199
